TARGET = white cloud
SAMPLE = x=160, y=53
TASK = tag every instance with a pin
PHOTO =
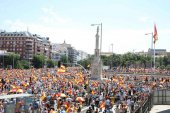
x=51, y=17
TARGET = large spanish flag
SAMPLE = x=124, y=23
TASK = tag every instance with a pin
x=62, y=69
x=155, y=35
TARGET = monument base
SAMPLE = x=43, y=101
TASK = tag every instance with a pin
x=96, y=70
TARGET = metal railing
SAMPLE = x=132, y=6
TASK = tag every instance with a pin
x=146, y=105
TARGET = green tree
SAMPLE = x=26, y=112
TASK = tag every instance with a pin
x=145, y=60
x=38, y=61
x=105, y=60
x=64, y=59
x=23, y=64
x=86, y=62
x=11, y=59
x=116, y=60
x=168, y=67
x=165, y=60
x=50, y=63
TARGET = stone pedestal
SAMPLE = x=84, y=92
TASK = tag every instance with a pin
x=96, y=69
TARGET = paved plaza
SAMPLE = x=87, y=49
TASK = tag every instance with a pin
x=160, y=109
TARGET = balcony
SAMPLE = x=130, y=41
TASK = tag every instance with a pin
x=30, y=44
x=29, y=40
x=29, y=51
x=29, y=47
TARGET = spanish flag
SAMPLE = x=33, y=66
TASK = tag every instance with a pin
x=62, y=69
x=102, y=105
x=92, y=92
x=155, y=35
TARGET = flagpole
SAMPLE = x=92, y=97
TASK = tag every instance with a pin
x=152, y=53
x=155, y=39
x=154, y=59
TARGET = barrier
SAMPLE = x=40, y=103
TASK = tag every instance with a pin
x=162, y=97
x=146, y=105
x=158, y=97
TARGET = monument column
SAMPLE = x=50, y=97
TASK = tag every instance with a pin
x=96, y=70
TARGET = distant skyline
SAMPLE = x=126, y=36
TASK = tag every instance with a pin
x=125, y=22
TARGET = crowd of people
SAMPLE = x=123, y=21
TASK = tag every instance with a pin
x=142, y=70
x=70, y=90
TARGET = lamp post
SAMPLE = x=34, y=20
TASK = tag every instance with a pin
x=151, y=47
x=101, y=36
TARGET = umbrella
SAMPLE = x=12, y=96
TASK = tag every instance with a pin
x=13, y=90
x=80, y=99
x=61, y=95
x=20, y=91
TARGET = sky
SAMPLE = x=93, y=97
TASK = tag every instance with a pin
x=124, y=22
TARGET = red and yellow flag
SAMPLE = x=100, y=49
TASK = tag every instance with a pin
x=155, y=35
x=62, y=69
x=102, y=105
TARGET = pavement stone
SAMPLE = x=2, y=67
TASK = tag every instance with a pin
x=160, y=109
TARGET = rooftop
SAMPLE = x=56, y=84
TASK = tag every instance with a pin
x=15, y=34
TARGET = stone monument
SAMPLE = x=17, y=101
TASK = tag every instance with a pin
x=96, y=65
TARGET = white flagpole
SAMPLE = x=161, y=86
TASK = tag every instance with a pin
x=152, y=53
x=154, y=59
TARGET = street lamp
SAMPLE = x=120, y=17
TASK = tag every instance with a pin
x=101, y=35
x=151, y=47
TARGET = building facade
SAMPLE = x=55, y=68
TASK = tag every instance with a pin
x=25, y=44
x=158, y=52
x=58, y=51
x=81, y=55
x=64, y=49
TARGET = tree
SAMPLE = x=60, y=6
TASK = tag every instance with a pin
x=86, y=62
x=11, y=59
x=50, y=63
x=64, y=59
x=23, y=64
x=38, y=61
x=144, y=60
x=168, y=67
x=166, y=61
x=105, y=60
